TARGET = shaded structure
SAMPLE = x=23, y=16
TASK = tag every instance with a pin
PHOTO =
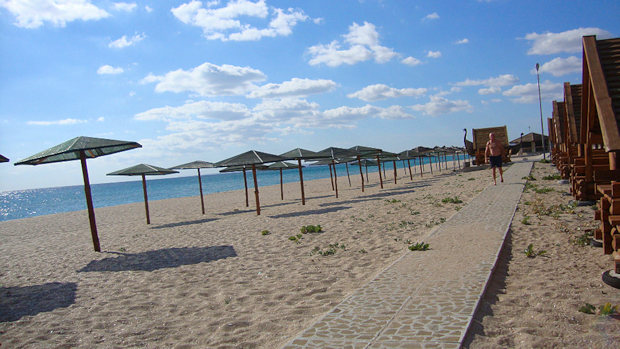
x=81, y=148
x=281, y=165
x=408, y=155
x=243, y=169
x=532, y=141
x=336, y=154
x=196, y=165
x=251, y=158
x=481, y=137
x=301, y=154
x=360, y=152
x=143, y=170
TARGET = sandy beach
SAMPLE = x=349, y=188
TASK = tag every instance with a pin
x=216, y=281
x=194, y=281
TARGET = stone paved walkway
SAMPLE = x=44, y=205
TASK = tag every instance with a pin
x=427, y=299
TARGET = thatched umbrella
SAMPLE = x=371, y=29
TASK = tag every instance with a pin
x=364, y=152
x=81, y=148
x=301, y=154
x=281, y=165
x=196, y=165
x=251, y=158
x=334, y=154
x=3, y=159
x=366, y=163
x=408, y=155
x=243, y=168
x=143, y=170
x=387, y=156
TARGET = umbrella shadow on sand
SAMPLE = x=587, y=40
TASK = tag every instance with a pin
x=181, y=224
x=311, y=212
x=160, y=259
x=17, y=302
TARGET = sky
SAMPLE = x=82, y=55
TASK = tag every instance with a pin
x=206, y=80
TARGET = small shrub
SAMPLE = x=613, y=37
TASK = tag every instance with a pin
x=420, y=246
x=544, y=161
x=543, y=190
x=413, y=212
x=265, y=232
x=450, y=200
x=582, y=240
x=393, y=201
x=526, y=220
x=471, y=179
x=307, y=229
x=607, y=309
x=362, y=251
x=587, y=308
x=530, y=253
x=552, y=177
x=529, y=178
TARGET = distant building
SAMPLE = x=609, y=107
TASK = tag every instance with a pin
x=532, y=142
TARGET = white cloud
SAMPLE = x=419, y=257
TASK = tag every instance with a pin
x=100, y=119
x=462, y=41
x=108, y=69
x=439, y=105
x=567, y=41
x=33, y=13
x=560, y=66
x=412, y=61
x=223, y=23
x=125, y=6
x=208, y=80
x=431, y=16
x=198, y=110
x=362, y=43
x=380, y=91
x=489, y=90
x=499, y=81
x=123, y=42
x=148, y=9
x=433, y=54
x=63, y=122
x=528, y=93
x=294, y=87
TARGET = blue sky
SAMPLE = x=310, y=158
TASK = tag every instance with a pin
x=205, y=80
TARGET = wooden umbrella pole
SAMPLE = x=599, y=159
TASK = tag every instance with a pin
x=394, y=163
x=281, y=187
x=349, y=177
x=301, y=181
x=359, y=162
x=458, y=158
x=409, y=165
x=245, y=183
x=335, y=178
x=404, y=167
x=384, y=175
x=89, y=204
x=421, y=166
x=379, y=168
x=256, y=190
x=366, y=165
x=331, y=178
x=146, y=200
x=202, y=201
x=430, y=162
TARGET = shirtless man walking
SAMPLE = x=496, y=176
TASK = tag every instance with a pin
x=495, y=149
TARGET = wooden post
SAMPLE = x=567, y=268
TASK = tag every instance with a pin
x=409, y=165
x=384, y=175
x=366, y=165
x=379, y=168
x=613, y=164
x=404, y=168
x=301, y=181
x=395, y=175
x=281, y=187
x=256, y=190
x=359, y=162
x=349, y=177
x=202, y=201
x=430, y=162
x=331, y=178
x=421, y=166
x=89, y=204
x=245, y=182
x=335, y=177
x=146, y=200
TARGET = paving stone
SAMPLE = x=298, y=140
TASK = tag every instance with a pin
x=436, y=310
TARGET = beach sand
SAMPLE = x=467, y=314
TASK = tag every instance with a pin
x=534, y=302
x=213, y=280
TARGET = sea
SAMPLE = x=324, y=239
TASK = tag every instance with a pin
x=19, y=204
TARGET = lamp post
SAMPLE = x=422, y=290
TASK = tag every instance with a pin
x=521, y=145
x=542, y=128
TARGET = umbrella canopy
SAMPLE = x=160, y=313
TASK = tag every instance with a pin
x=196, y=165
x=301, y=154
x=243, y=168
x=363, y=151
x=3, y=159
x=252, y=158
x=336, y=153
x=71, y=150
x=143, y=170
x=81, y=148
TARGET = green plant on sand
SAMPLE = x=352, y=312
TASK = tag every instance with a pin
x=420, y=246
x=265, y=232
x=306, y=229
x=530, y=253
